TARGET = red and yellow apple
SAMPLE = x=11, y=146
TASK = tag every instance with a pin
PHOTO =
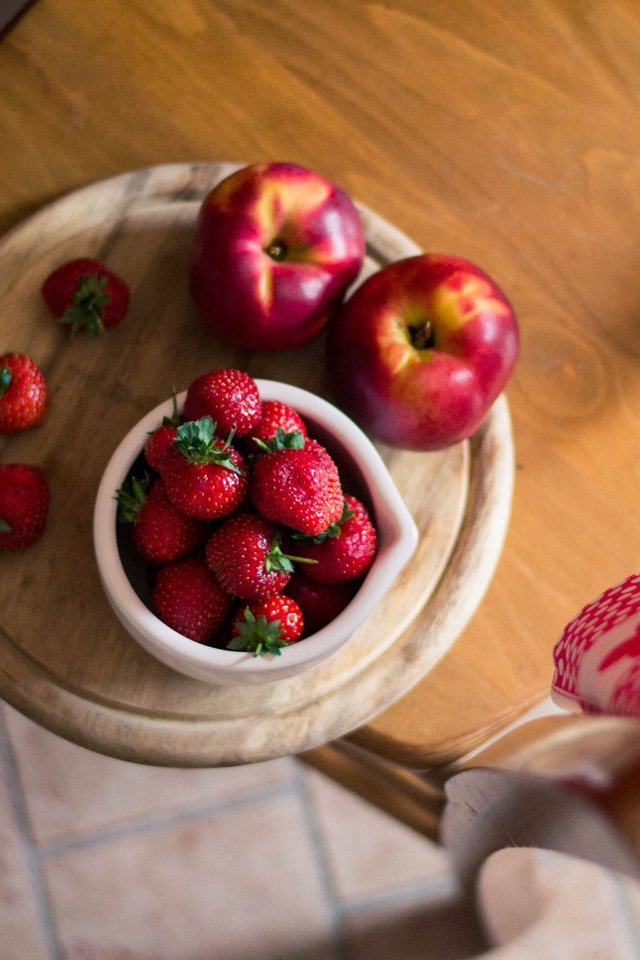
x=276, y=247
x=420, y=351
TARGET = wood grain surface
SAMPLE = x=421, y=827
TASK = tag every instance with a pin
x=507, y=133
x=70, y=646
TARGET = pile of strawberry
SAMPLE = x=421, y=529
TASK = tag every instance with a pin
x=86, y=298
x=241, y=515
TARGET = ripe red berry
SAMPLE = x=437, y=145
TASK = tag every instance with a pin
x=188, y=599
x=86, y=296
x=274, y=416
x=157, y=444
x=159, y=532
x=24, y=393
x=205, y=477
x=159, y=440
x=246, y=557
x=264, y=626
x=298, y=487
x=24, y=504
x=230, y=397
x=320, y=602
x=348, y=550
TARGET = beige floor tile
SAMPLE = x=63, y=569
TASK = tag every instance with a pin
x=440, y=929
x=241, y=885
x=367, y=850
x=70, y=791
x=20, y=930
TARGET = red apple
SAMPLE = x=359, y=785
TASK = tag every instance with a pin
x=421, y=350
x=276, y=247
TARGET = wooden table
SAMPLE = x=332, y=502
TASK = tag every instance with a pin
x=507, y=137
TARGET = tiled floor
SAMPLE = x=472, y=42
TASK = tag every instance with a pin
x=105, y=860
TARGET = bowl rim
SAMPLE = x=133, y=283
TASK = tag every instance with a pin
x=396, y=528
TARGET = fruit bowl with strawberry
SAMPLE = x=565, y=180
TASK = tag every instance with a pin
x=244, y=529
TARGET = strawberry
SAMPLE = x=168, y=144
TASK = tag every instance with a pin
x=297, y=485
x=230, y=397
x=159, y=531
x=246, y=557
x=274, y=416
x=320, y=602
x=86, y=296
x=188, y=599
x=159, y=440
x=204, y=476
x=24, y=504
x=24, y=393
x=346, y=551
x=264, y=626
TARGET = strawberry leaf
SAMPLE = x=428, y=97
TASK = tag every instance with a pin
x=86, y=311
x=198, y=442
x=257, y=635
x=195, y=437
x=281, y=440
x=4, y=526
x=131, y=497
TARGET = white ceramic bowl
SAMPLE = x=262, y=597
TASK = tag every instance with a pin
x=397, y=535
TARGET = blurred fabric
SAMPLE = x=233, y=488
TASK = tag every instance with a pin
x=537, y=904
x=597, y=657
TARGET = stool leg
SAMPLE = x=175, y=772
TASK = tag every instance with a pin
x=404, y=794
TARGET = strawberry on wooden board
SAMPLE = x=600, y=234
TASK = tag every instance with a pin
x=187, y=597
x=204, y=476
x=230, y=397
x=159, y=532
x=265, y=626
x=320, y=602
x=24, y=505
x=274, y=416
x=86, y=296
x=24, y=393
x=348, y=550
x=246, y=557
x=297, y=485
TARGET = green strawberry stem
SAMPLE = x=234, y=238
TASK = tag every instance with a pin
x=5, y=379
x=258, y=636
x=278, y=561
x=86, y=311
x=175, y=419
x=199, y=444
x=4, y=526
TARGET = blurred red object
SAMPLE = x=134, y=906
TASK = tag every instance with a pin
x=597, y=658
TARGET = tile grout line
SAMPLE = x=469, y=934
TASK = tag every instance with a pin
x=438, y=886
x=323, y=866
x=33, y=861
x=137, y=827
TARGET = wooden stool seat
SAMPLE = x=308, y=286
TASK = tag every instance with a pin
x=66, y=661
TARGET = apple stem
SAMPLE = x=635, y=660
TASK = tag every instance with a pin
x=277, y=250
x=422, y=335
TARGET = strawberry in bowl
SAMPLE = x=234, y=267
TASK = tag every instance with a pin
x=289, y=489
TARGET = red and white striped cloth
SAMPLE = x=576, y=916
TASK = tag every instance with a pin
x=597, y=658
